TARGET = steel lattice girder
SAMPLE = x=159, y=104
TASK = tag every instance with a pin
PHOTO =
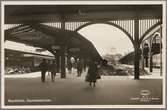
x=49, y=13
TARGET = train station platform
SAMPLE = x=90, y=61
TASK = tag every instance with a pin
x=109, y=90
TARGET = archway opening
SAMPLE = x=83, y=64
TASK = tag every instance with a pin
x=107, y=39
x=111, y=42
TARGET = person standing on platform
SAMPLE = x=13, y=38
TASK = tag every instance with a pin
x=43, y=67
x=146, y=53
x=92, y=73
x=49, y=67
x=53, y=70
x=79, y=67
x=69, y=67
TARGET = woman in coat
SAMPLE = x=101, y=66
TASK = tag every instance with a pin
x=92, y=73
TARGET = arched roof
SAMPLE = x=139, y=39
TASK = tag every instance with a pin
x=46, y=37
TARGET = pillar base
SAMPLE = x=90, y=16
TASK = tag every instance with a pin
x=136, y=78
x=63, y=76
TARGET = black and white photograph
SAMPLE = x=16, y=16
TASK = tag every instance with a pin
x=83, y=54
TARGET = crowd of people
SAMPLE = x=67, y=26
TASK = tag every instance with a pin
x=17, y=70
x=91, y=77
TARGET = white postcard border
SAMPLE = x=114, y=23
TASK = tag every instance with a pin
x=3, y=3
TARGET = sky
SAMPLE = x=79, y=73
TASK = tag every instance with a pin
x=107, y=39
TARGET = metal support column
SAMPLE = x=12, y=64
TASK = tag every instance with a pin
x=142, y=60
x=151, y=62
x=151, y=57
x=63, y=68
x=137, y=49
x=161, y=51
x=58, y=61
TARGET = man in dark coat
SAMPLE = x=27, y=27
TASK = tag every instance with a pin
x=43, y=67
x=69, y=67
x=53, y=70
x=146, y=53
x=79, y=67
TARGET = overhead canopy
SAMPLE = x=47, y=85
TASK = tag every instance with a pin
x=48, y=13
x=47, y=37
x=52, y=39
